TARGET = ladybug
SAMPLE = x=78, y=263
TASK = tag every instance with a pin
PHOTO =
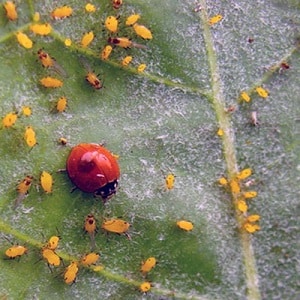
x=93, y=169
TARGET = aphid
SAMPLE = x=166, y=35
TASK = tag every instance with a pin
x=223, y=181
x=145, y=287
x=89, y=259
x=262, y=92
x=68, y=42
x=53, y=242
x=132, y=19
x=62, y=141
x=245, y=97
x=106, y=52
x=24, y=40
x=253, y=218
x=9, y=119
x=251, y=228
x=49, y=62
x=62, y=12
x=46, y=182
x=116, y=226
x=90, y=8
x=93, y=80
x=253, y=117
x=16, y=251
x=30, y=137
x=111, y=24
x=51, y=82
x=244, y=174
x=185, y=225
x=148, y=265
x=11, y=11
x=215, y=19
x=250, y=194
x=36, y=17
x=235, y=186
x=230, y=109
x=126, y=61
x=284, y=65
x=170, y=181
x=71, y=272
x=87, y=39
x=142, y=31
x=90, y=227
x=117, y=3
x=220, y=132
x=22, y=189
x=124, y=42
x=141, y=68
x=26, y=111
x=51, y=257
x=61, y=104
x=250, y=40
x=41, y=29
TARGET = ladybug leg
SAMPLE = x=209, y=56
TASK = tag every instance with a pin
x=73, y=189
x=61, y=170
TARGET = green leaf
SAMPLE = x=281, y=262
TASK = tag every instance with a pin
x=163, y=120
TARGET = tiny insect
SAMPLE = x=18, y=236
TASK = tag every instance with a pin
x=9, y=119
x=141, y=68
x=242, y=206
x=170, y=181
x=36, y=17
x=90, y=227
x=253, y=118
x=16, y=251
x=93, y=80
x=61, y=104
x=90, y=8
x=106, y=52
x=53, y=242
x=251, y=228
x=132, y=19
x=87, y=39
x=223, y=181
x=244, y=174
x=26, y=111
x=185, y=225
x=49, y=62
x=126, y=61
x=51, y=82
x=235, y=186
x=41, y=29
x=22, y=189
x=62, y=141
x=46, y=182
x=71, y=272
x=111, y=24
x=124, y=42
x=145, y=287
x=142, y=31
x=245, y=97
x=284, y=65
x=68, y=42
x=116, y=226
x=250, y=194
x=24, y=40
x=262, y=92
x=30, y=137
x=215, y=19
x=117, y=3
x=61, y=12
x=51, y=257
x=89, y=259
x=148, y=265
x=11, y=11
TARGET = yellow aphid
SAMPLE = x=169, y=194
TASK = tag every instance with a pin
x=93, y=80
x=106, y=52
x=51, y=82
x=262, y=92
x=46, y=60
x=9, y=119
x=10, y=9
x=126, y=61
x=115, y=226
x=242, y=206
x=124, y=42
x=145, y=287
x=90, y=225
x=220, y=132
x=46, y=182
x=36, y=17
x=87, y=39
x=90, y=8
x=89, y=259
x=16, y=251
x=41, y=29
x=244, y=96
x=51, y=257
x=30, y=137
x=61, y=12
x=244, y=174
x=170, y=181
x=250, y=194
x=24, y=40
x=141, y=68
x=68, y=42
x=26, y=111
x=63, y=141
x=253, y=218
x=223, y=181
x=148, y=265
x=71, y=272
x=24, y=185
x=235, y=186
x=53, y=242
x=61, y=104
x=251, y=228
x=111, y=23
x=132, y=19
x=117, y=3
x=142, y=31
x=215, y=19
x=185, y=225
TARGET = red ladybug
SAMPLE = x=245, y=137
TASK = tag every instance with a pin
x=93, y=169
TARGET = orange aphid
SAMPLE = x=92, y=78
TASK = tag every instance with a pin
x=62, y=12
x=41, y=29
x=24, y=40
x=11, y=11
x=9, y=119
x=51, y=82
